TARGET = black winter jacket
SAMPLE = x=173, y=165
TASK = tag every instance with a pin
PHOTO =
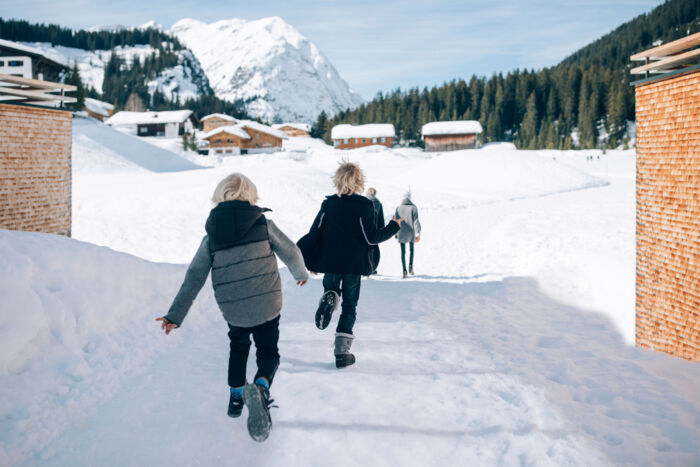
x=343, y=236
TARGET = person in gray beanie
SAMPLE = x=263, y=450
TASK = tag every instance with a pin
x=239, y=250
x=409, y=233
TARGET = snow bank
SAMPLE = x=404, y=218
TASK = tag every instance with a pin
x=100, y=148
x=371, y=130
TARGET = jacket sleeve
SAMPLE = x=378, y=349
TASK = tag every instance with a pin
x=382, y=221
x=195, y=278
x=372, y=234
x=287, y=252
x=416, y=222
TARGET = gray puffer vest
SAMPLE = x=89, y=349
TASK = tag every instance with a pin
x=244, y=270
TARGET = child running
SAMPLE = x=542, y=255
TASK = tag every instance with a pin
x=239, y=249
x=340, y=244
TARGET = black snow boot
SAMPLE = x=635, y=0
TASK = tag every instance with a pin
x=343, y=357
x=410, y=270
x=257, y=399
x=326, y=306
x=405, y=274
x=235, y=406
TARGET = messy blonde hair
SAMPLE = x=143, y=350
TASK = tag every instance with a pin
x=349, y=179
x=371, y=191
x=235, y=187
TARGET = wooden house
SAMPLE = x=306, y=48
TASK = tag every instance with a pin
x=35, y=155
x=212, y=121
x=294, y=130
x=668, y=198
x=246, y=137
x=168, y=124
x=28, y=62
x=357, y=136
x=451, y=136
x=98, y=109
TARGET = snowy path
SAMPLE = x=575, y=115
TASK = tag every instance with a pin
x=446, y=374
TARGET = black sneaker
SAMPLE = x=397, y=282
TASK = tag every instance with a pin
x=405, y=274
x=235, y=406
x=410, y=271
x=326, y=306
x=257, y=399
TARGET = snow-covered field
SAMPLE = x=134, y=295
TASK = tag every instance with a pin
x=511, y=346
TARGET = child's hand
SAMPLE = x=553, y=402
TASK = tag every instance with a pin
x=417, y=238
x=166, y=325
x=301, y=283
x=398, y=221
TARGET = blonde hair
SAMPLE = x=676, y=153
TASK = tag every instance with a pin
x=349, y=179
x=371, y=191
x=235, y=187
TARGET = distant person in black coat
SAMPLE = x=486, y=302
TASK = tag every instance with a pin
x=340, y=244
x=378, y=220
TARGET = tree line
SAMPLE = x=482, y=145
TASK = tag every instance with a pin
x=24, y=31
x=583, y=102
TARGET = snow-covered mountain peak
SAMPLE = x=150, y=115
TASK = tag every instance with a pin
x=270, y=65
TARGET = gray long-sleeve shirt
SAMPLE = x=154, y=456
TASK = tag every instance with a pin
x=201, y=265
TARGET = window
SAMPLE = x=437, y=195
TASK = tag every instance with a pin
x=364, y=140
x=346, y=140
x=229, y=140
x=374, y=140
x=218, y=151
x=383, y=140
x=2, y=63
x=228, y=150
x=257, y=136
x=217, y=141
x=143, y=129
x=15, y=63
x=336, y=142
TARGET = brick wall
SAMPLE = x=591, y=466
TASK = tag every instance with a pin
x=668, y=215
x=35, y=169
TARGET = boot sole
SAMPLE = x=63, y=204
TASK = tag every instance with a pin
x=324, y=313
x=258, y=420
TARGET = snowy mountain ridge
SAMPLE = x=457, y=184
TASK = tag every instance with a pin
x=267, y=63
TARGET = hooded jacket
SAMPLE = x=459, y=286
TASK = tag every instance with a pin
x=410, y=227
x=239, y=250
x=344, y=236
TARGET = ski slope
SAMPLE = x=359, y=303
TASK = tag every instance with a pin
x=511, y=345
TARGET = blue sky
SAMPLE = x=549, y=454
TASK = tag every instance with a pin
x=380, y=45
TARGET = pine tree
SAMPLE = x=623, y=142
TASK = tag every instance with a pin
x=527, y=136
x=318, y=129
x=73, y=78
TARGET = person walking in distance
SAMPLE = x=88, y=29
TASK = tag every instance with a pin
x=339, y=244
x=409, y=233
x=378, y=221
x=239, y=250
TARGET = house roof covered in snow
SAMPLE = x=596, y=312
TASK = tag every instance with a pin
x=221, y=116
x=461, y=127
x=299, y=126
x=262, y=128
x=30, y=51
x=98, y=107
x=143, y=118
x=372, y=130
x=230, y=129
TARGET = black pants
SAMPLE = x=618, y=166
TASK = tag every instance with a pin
x=267, y=355
x=348, y=287
x=403, y=255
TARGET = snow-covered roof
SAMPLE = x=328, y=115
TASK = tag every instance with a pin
x=139, y=118
x=221, y=116
x=32, y=51
x=231, y=129
x=299, y=126
x=371, y=130
x=262, y=128
x=461, y=127
x=98, y=107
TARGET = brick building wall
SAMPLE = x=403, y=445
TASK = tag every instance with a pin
x=352, y=143
x=668, y=215
x=35, y=169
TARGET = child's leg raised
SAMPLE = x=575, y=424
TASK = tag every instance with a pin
x=266, y=337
